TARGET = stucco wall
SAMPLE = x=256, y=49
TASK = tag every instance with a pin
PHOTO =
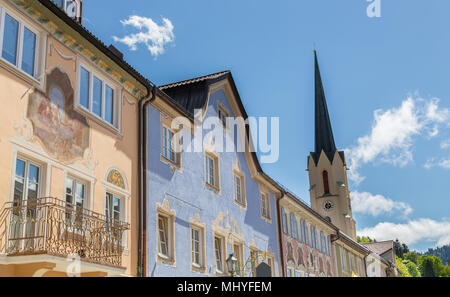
x=187, y=195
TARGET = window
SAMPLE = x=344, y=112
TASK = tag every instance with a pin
x=294, y=231
x=168, y=150
x=344, y=259
x=212, y=174
x=329, y=245
x=197, y=247
x=254, y=261
x=326, y=186
x=19, y=43
x=284, y=220
x=97, y=96
x=223, y=115
x=113, y=208
x=76, y=200
x=265, y=212
x=307, y=238
x=113, y=213
x=69, y=6
x=163, y=234
x=27, y=189
x=238, y=189
x=27, y=182
x=323, y=247
x=219, y=254
x=237, y=249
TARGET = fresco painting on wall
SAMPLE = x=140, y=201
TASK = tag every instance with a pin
x=63, y=132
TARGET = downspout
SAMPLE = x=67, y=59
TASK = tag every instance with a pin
x=365, y=265
x=142, y=181
x=280, y=238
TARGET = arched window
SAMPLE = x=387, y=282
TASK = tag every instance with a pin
x=326, y=185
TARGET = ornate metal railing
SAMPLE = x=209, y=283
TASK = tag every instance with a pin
x=55, y=227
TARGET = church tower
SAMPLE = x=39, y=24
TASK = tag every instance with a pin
x=327, y=169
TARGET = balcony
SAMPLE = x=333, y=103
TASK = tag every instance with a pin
x=49, y=226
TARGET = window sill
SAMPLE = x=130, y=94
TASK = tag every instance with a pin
x=241, y=204
x=198, y=268
x=165, y=260
x=171, y=163
x=213, y=188
x=80, y=109
x=19, y=73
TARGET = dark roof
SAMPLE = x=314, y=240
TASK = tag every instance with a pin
x=324, y=140
x=50, y=5
x=192, y=94
x=380, y=247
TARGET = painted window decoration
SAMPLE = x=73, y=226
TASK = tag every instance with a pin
x=115, y=178
x=284, y=220
x=326, y=185
x=265, y=212
x=219, y=254
x=20, y=43
x=163, y=236
x=97, y=97
x=168, y=150
x=76, y=201
x=63, y=132
x=27, y=186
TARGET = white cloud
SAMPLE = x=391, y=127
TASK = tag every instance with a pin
x=367, y=203
x=443, y=163
x=412, y=232
x=393, y=132
x=445, y=144
x=152, y=35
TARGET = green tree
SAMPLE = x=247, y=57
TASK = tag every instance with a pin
x=412, y=269
x=412, y=256
x=402, y=267
x=400, y=248
x=431, y=266
x=364, y=239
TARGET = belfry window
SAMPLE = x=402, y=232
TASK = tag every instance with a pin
x=326, y=185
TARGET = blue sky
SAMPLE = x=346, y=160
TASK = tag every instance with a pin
x=386, y=80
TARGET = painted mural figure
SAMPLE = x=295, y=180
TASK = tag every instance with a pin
x=63, y=132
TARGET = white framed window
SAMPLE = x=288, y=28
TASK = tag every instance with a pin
x=284, y=221
x=76, y=201
x=197, y=246
x=27, y=181
x=294, y=229
x=27, y=189
x=98, y=97
x=265, y=211
x=219, y=255
x=168, y=151
x=19, y=43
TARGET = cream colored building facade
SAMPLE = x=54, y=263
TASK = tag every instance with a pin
x=70, y=132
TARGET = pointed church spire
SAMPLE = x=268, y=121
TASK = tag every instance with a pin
x=324, y=139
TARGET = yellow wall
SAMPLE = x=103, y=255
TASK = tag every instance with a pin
x=107, y=148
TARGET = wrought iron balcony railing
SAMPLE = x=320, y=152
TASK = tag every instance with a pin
x=55, y=227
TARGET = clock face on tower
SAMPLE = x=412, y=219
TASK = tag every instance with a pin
x=328, y=206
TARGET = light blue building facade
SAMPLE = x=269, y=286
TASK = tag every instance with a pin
x=204, y=206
